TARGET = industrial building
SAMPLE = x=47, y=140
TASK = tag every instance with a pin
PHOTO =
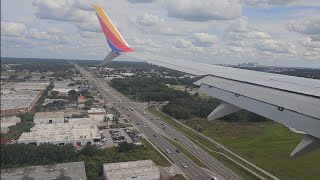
x=17, y=102
x=63, y=87
x=73, y=170
x=138, y=170
x=49, y=118
x=96, y=111
x=61, y=134
x=21, y=86
x=36, y=86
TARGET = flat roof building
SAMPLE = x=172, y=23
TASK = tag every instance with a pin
x=17, y=102
x=36, y=86
x=138, y=170
x=61, y=134
x=96, y=111
x=72, y=171
x=49, y=118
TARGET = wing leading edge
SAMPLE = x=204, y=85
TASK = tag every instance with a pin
x=292, y=101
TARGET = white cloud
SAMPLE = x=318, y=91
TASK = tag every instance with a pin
x=271, y=3
x=310, y=27
x=141, y=1
x=149, y=20
x=13, y=29
x=53, y=36
x=276, y=46
x=182, y=43
x=241, y=31
x=204, y=39
x=310, y=48
x=205, y=10
x=145, y=42
x=74, y=12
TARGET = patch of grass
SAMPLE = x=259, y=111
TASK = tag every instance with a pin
x=269, y=147
x=178, y=177
x=16, y=130
x=266, y=144
x=128, y=125
x=24, y=126
x=157, y=157
x=186, y=152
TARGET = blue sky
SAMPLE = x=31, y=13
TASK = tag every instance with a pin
x=272, y=32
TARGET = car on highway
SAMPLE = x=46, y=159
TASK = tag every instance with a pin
x=168, y=151
x=184, y=165
x=154, y=135
x=214, y=178
x=177, y=151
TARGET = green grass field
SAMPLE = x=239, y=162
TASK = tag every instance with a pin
x=178, y=177
x=266, y=144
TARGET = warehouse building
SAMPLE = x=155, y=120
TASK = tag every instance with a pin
x=18, y=102
x=63, y=87
x=138, y=170
x=61, y=134
x=73, y=170
x=35, y=86
x=21, y=86
x=49, y=118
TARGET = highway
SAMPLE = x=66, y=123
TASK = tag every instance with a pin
x=155, y=126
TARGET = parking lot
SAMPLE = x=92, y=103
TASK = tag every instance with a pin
x=111, y=137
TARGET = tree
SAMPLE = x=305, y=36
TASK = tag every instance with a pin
x=54, y=93
x=14, y=76
x=88, y=102
x=72, y=84
x=126, y=147
x=73, y=95
x=27, y=77
x=89, y=150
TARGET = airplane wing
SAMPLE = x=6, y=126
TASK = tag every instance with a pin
x=292, y=101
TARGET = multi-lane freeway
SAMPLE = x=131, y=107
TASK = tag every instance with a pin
x=153, y=128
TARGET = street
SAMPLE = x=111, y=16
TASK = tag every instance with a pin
x=136, y=116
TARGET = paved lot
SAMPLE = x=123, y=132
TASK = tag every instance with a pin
x=109, y=142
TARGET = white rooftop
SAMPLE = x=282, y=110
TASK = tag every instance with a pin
x=40, y=115
x=19, y=99
x=42, y=133
x=123, y=170
x=72, y=170
x=96, y=110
